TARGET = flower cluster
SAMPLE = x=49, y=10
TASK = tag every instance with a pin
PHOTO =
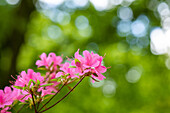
x=32, y=88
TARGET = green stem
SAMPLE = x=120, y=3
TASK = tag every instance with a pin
x=64, y=96
x=20, y=108
x=33, y=101
x=53, y=96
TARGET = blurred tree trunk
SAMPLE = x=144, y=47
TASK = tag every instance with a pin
x=15, y=38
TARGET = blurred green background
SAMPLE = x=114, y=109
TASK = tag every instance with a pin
x=134, y=35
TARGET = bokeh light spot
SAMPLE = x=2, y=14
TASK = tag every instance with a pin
x=12, y=2
x=51, y=3
x=144, y=19
x=138, y=28
x=167, y=63
x=166, y=23
x=125, y=13
x=80, y=3
x=162, y=8
x=54, y=32
x=124, y=28
x=133, y=75
x=82, y=22
x=100, y=5
x=158, y=42
x=109, y=88
x=116, y=2
x=97, y=84
x=63, y=18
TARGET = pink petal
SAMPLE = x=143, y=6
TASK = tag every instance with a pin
x=101, y=69
x=87, y=56
x=43, y=56
x=39, y=63
x=7, y=89
x=59, y=74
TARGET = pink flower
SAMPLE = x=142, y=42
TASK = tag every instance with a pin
x=91, y=62
x=24, y=78
x=71, y=71
x=5, y=110
x=46, y=91
x=59, y=74
x=49, y=62
x=55, y=59
x=6, y=97
x=45, y=61
x=17, y=94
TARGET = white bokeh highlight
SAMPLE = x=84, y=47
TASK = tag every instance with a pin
x=109, y=88
x=134, y=74
x=100, y=5
x=160, y=41
x=81, y=22
x=125, y=13
x=12, y=2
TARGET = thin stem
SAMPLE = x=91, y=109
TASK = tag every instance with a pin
x=64, y=96
x=33, y=101
x=38, y=104
x=20, y=108
x=53, y=96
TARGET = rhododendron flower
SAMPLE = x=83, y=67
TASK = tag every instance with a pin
x=5, y=110
x=59, y=74
x=6, y=97
x=71, y=71
x=91, y=62
x=55, y=59
x=24, y=78
x=52, y=60
x=46, y=91
x=45, y=61
x=32, y=88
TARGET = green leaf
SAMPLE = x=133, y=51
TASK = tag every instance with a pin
x=54, y=79
x=72, y=67
x=47, y=85
x=38, y=82
x=33, y=81
x=42, y=68
x=76, y=60
x=29, y=83
x=18, y=87
x=67, y=74
x=22, y=103
x=24, y=88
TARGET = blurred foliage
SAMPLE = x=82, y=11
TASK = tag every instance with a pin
x=137, y=82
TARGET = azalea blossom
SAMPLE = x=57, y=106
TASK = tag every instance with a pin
x=5, y=110
x=45, y=61
x=6, y=97
x=24, y=78
x=50, y=62
x=91, y=62
x=32, y=87
x=71, y=71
